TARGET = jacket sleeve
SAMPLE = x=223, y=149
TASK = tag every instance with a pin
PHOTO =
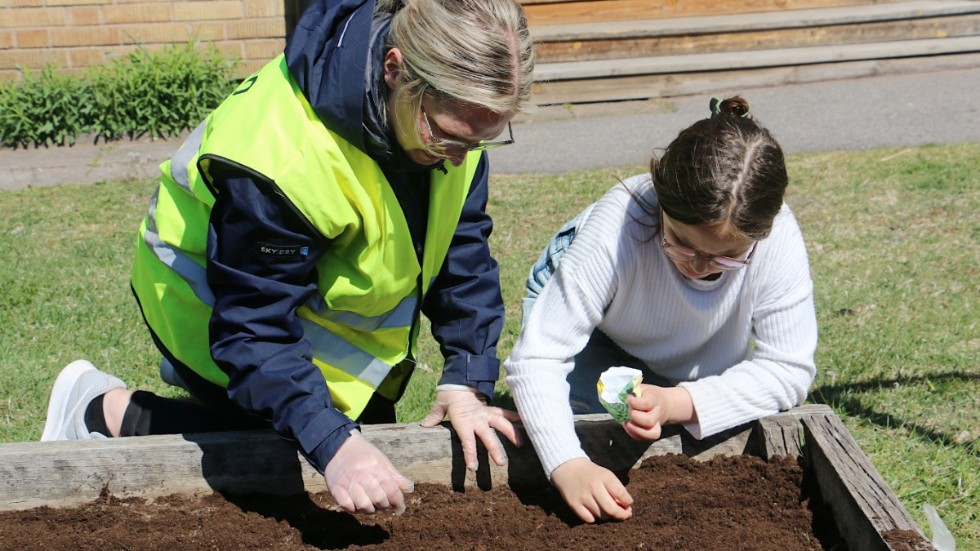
x=261, y=268
x=464, y=303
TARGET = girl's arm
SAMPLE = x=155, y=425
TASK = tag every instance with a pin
x=559, y=326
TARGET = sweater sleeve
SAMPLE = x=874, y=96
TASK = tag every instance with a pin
x=780, y=368
x=558, y=327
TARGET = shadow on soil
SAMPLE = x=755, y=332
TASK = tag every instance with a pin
x=321, y=528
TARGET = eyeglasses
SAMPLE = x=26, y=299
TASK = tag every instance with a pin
x=445, y=144
x=687, y=254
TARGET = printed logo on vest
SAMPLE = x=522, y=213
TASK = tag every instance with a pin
x=283, y=251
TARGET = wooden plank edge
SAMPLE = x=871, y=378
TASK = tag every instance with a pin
x=720, y=82
x=34, y=474
x=863, y=504
x=692, y=63
x=747, y=22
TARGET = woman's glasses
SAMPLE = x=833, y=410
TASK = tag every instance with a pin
x=687, y=254
x=439, y=144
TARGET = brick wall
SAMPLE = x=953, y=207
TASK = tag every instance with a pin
x=74, y=34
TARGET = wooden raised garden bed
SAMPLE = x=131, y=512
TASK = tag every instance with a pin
x=867, y=514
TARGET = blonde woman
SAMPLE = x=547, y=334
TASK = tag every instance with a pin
x=302, y=228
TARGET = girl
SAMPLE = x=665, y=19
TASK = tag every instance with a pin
x=695, y=273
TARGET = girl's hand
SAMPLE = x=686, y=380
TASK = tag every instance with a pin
x=593, y=492
x=654, y=406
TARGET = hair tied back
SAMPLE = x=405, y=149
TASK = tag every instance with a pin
x=735, y=106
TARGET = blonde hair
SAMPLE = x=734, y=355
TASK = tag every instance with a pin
x=476, y=52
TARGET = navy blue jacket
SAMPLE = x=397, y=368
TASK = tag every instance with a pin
x=336, y=55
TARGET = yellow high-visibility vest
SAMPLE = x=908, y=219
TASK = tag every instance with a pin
x=371, y=282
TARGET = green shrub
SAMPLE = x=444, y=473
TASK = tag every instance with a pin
x=157, y=94
x=41, y=110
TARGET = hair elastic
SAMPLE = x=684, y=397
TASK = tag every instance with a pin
x=715, y=105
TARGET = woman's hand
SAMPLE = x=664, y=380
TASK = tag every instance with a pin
x=472, y=418
x=363, y=480
x=593, y=492
x=654, y=406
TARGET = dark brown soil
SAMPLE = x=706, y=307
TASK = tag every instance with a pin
x=738, y=502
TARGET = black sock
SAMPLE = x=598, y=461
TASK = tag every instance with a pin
x=95, y=418
x=136, y=418
x=148, y=413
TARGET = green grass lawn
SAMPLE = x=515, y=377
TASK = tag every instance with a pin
x=893, y=238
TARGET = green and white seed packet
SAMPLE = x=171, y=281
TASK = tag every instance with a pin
x=614, y=386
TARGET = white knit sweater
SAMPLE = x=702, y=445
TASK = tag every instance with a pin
x=616, y=277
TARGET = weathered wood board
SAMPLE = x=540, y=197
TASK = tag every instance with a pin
x=66, y=473
x=720, y=82
x=541, y=12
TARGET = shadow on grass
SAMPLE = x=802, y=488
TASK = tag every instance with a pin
x=840, y=397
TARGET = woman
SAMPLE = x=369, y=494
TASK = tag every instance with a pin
x=304, y=225
x=695, y=273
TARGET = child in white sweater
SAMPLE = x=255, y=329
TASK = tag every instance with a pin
x=695, y=273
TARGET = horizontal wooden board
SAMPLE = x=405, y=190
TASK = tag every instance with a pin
x=721, y=61
x=765, y=39
x=583, y=11
x=65, y=473
x=725, y=83
x=781, y=19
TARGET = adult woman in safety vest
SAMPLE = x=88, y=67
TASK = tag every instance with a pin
x=304, y=225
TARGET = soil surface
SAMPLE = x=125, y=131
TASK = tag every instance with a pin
x=738, y=502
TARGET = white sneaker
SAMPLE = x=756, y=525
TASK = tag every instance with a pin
x=76, y=386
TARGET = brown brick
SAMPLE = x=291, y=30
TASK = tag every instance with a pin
x=146, y=13
x=263, y=49
x=86, y=57
x=264, y=8
x=229, y=49
x=84, y=16
x=85, y=36
x=257, y=28
x=207, y=32
x=25, y=3
x=122, y=52
x=33, y=38
x=33, y=17
x=76, y=2
x=32, y=59
x=6, y=40
x=166, y=33
x=205, y=11
x=247, y=67
x=9, y=75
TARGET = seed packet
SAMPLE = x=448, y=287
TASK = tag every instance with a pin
x=615, y=384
